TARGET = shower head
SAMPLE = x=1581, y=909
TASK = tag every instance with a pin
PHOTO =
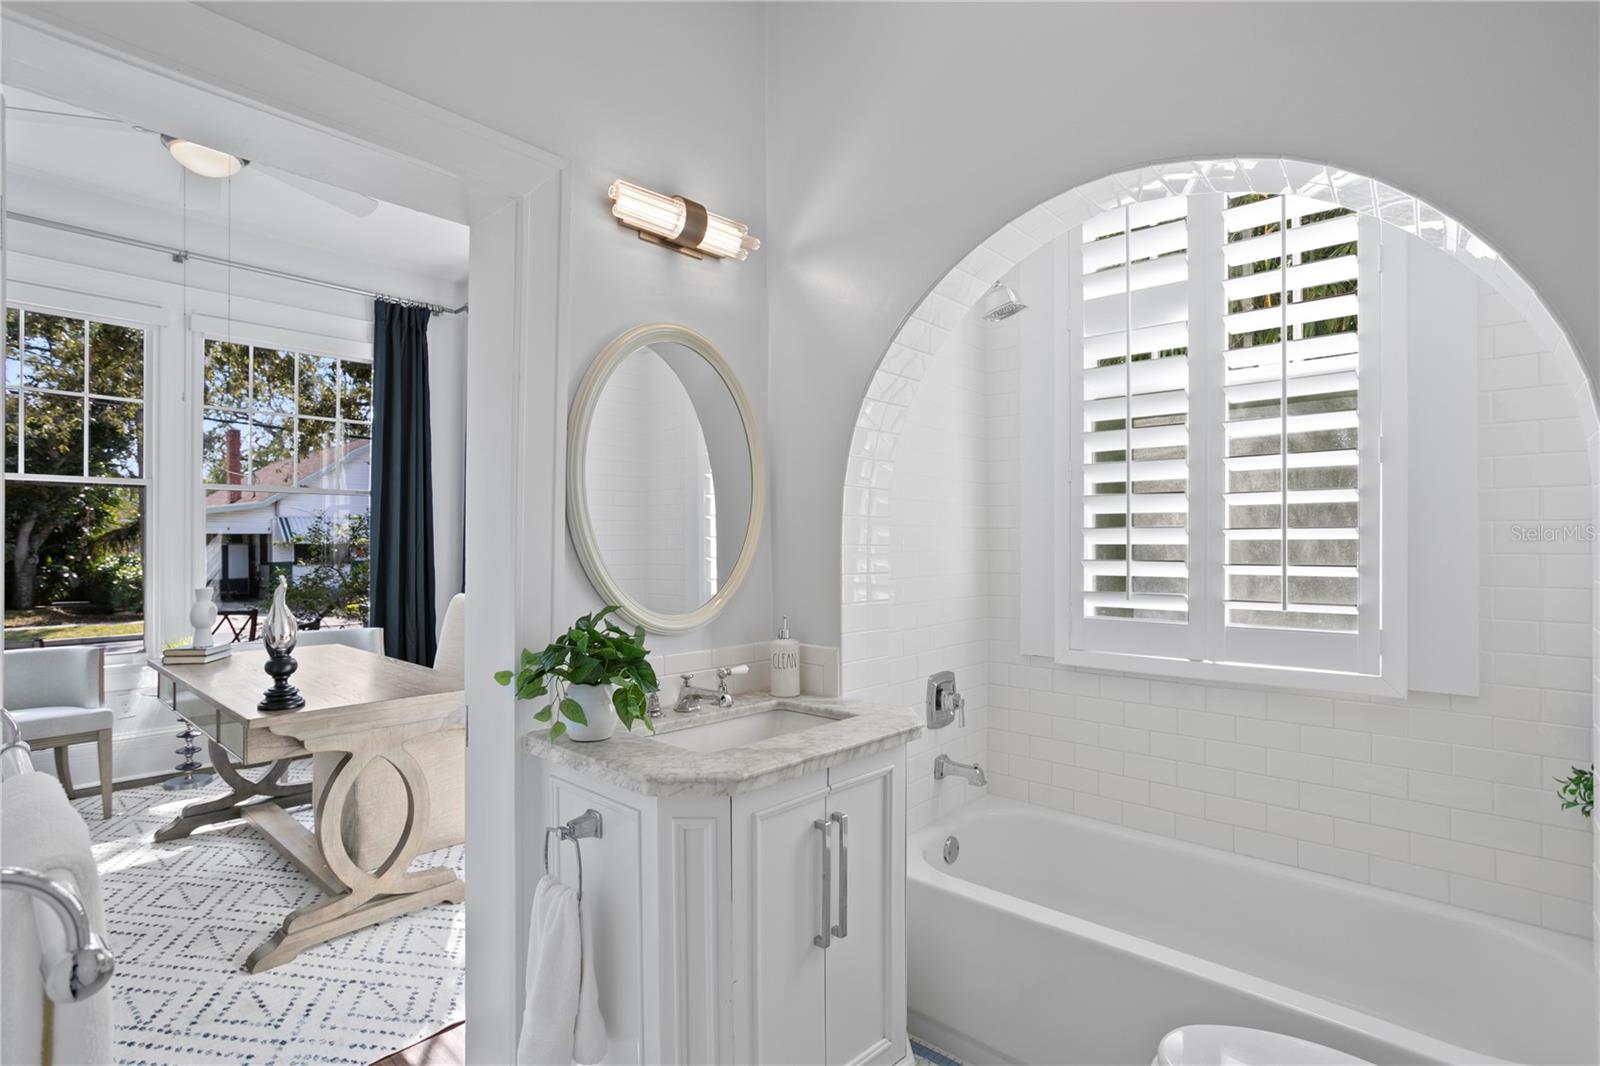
x=1001, y=303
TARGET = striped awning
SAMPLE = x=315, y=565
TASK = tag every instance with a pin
x=292, y=527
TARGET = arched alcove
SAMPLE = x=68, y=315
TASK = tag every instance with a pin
x=870, y=483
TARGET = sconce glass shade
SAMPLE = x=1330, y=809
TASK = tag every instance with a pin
x=198, y=159
x=666, y=218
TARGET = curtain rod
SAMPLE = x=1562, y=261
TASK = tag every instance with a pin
x=179, y=255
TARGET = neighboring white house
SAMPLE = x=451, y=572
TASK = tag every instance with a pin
x=251, y=533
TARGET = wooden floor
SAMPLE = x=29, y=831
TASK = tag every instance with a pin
x=447, y=1047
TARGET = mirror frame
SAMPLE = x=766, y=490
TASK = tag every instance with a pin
x=578, y=524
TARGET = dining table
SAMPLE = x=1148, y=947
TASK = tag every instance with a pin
x=362, y=709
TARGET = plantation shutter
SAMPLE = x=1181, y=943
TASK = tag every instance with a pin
x=1223, y=433
x=1299, y=454
x=1131, y=432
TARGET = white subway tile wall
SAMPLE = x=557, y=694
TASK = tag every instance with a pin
x=1450, y=798
x=919, y=603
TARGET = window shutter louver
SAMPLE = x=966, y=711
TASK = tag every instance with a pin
x=1290, y=385
x=1224, y=433
x=1133, y=417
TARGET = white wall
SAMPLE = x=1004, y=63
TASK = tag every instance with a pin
x=936, y=124
x=1447, y=797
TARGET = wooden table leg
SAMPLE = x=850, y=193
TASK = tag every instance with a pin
x=243, y=793
x=368, y=896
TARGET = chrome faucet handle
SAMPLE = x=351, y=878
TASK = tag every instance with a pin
x=653, y=705
x=725, y=672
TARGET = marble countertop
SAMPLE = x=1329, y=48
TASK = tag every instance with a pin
x=639, y=762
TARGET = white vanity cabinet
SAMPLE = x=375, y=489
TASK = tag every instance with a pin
x=763, y=927
x=819, y=917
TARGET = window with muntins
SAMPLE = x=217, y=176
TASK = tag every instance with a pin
x=286, y=460
x=1224, y=429
x=75, y=480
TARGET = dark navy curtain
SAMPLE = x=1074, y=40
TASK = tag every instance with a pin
x=402, y=483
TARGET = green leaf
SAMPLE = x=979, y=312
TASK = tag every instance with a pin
x=557, y=729
x=607, y=610
x=531, y=689
x=580, y=640
x=502, y=677
x=543, y=714
x=574, y=711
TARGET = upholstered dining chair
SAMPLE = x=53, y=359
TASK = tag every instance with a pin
x=58, y=696
x=367, y=638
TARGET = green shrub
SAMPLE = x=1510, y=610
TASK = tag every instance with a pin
x=114, y=580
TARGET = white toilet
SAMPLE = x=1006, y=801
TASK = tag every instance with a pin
x=1231, y=1045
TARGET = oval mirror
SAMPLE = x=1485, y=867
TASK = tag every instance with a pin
x=666, y=480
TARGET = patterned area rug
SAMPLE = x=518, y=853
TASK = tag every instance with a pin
x=183, y=916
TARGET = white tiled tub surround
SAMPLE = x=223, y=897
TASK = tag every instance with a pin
x=926, y=577
x=1445, y=797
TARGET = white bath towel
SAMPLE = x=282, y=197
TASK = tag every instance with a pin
x=561, y=1021
x=40, y=830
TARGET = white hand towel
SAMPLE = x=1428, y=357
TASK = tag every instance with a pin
x=40, y=830
x=561, y=1017
x=589, y=1044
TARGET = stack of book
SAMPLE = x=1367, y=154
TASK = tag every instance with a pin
x=187, y=655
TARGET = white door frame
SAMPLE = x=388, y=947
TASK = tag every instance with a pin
x=257, y=97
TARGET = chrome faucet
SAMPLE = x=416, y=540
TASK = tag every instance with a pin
x=690, y=696
x=944, y=765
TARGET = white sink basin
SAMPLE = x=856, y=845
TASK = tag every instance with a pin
x=737, y=732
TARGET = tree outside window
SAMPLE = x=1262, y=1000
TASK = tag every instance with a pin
x=74, y=461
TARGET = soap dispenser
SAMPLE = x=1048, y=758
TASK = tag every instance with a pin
x=785, y=677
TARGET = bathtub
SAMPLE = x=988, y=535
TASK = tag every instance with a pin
x=1055, y=939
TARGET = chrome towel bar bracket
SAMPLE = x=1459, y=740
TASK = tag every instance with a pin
x=585, y=826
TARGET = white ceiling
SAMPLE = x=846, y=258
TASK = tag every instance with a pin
x=47, y=163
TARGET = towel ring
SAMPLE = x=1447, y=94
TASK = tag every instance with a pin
x=586, y=825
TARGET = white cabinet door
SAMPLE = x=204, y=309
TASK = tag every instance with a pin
x=778, y=857
x=865, y=963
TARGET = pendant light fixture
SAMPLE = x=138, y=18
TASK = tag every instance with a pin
x=679, y=223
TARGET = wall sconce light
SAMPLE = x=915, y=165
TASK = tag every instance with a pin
x=679, y=223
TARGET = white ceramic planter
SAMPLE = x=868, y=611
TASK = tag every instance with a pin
x=596, y=703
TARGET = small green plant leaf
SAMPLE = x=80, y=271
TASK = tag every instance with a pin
x=543, y=714
x=594, y=651
x=1577, y=790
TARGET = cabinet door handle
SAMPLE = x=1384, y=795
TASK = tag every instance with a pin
x=824, y=938
x=842, y=930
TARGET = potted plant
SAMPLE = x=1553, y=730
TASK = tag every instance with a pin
x=594, y=675
x=1577, y=790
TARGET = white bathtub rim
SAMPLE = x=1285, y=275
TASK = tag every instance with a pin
x=1575, y=953
x=1334, y=1014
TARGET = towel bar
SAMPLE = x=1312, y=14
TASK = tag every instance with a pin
x=586, y=825
x=86, y=966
